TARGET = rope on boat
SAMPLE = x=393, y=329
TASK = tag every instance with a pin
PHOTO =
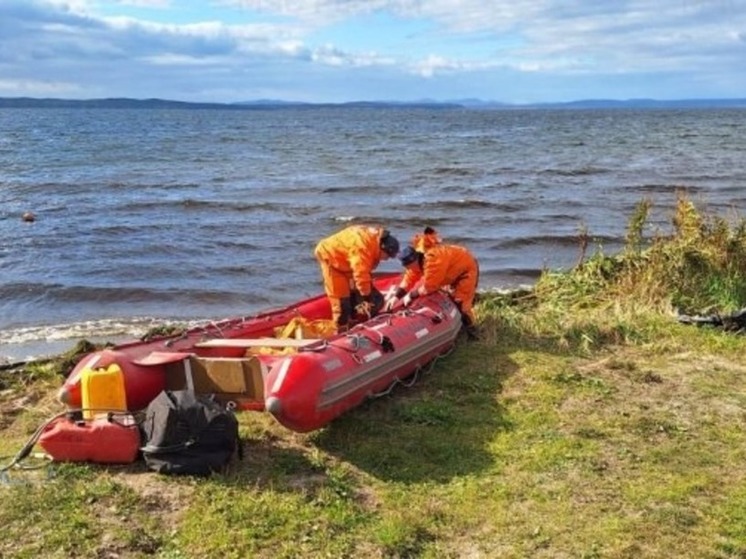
x=435, y=316
x=316, y=347
x=415, y=376
x=169, y=342
x=217, y=327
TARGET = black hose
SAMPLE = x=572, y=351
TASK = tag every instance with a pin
x=26, y=449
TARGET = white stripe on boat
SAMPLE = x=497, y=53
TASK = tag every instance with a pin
x=284, y=366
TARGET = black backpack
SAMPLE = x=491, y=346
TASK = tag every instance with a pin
x=188, y=433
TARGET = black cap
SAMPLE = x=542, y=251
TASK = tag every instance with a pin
x=389, y=244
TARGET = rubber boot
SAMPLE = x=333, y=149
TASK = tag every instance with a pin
x=472, y=334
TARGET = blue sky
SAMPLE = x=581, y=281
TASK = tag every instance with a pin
x=513, y=51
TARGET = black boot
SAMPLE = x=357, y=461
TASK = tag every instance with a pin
x=472, y=334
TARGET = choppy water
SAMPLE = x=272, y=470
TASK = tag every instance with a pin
x=148, y=215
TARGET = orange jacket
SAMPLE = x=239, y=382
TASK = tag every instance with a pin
x=444, y=266
x=353, y=251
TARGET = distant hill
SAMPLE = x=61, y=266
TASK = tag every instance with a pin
x=610, y=104
x=268, y=104
x=110, y=103
x=649, y=104
x=126, y=103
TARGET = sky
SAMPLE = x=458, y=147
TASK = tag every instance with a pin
x=334, y=51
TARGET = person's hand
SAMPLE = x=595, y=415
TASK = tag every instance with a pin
x=390, y=293
x=392, y=297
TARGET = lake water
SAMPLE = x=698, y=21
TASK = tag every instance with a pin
x=146, y=216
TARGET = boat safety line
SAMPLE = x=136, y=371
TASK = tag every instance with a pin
x=415, y=376
x=333, y=392
x=321, y=345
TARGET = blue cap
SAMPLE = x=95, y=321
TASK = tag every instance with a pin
x=407, y=256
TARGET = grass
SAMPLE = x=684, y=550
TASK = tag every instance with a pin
x=586, y=423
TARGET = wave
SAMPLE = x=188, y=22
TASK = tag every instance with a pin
x=40, y=341
x=405, y=224
x=418, y=208
x=516, y=272
x=665, y=188
x=290, y=207
x=456, y=171
x=50, y=294
x=581, y=171
x=134, y=327
x=191, y=204
x=554, y=240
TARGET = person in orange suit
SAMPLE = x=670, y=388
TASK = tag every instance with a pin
x=431, y=265
x=347, y=260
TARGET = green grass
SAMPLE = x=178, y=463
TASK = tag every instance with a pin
x=587, y=423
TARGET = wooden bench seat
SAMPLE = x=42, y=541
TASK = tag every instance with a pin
x=257, y=342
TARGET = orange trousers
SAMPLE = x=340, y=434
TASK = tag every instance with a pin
x=463, y=293
x=337, y=289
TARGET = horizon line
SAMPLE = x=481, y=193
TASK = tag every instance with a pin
x=460, y=102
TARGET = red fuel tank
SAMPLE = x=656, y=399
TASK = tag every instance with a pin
x=111, y=439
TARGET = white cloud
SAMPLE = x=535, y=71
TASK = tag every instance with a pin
x=414, y=46
x=319, y=11
x=329, y=55
x=573, y=36
x=37, y=87
x=160, y=4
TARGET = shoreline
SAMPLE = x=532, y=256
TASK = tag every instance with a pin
x=43, y=350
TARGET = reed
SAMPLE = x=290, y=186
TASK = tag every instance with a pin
x=698, y=267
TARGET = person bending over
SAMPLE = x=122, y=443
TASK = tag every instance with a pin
x=437, y=265
x=347, y=260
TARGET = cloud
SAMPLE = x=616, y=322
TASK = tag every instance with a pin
x=321, y=12
x=311, y=47
x=570, y=36
x=158, y=4
x=36, y=87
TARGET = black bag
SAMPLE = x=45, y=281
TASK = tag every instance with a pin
x=186, y=433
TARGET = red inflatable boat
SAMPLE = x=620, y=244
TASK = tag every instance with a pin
x=304, y=383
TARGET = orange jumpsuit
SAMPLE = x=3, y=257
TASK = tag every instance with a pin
x=347, y=260
x=450, y=266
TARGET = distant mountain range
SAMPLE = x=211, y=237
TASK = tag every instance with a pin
x=265, y=104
